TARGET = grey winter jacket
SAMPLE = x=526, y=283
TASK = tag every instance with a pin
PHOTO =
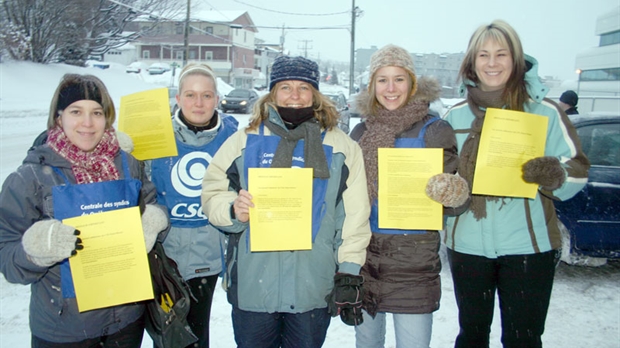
x=26, y=198
x=198, y=251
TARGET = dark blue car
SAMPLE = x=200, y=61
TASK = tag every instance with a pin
x=591, y=219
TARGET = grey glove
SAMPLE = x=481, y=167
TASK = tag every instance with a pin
x=154, y=220
x=544, y=171
x=49, y=241
x=448, y=189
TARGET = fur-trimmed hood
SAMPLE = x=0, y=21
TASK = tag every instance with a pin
x=428, y=91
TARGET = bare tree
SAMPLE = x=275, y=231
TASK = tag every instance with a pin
x=72, y=31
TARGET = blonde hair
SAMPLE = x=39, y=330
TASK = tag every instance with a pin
x=197, y=69
x=515, y=92
x=324, y=109
x=92, y=86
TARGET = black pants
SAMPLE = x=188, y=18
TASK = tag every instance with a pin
x=523, y=284
x=200, y=310
x=128, y=337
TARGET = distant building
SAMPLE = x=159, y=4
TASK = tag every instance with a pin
x=225, y=40
x=444, y=67
x=600, y=66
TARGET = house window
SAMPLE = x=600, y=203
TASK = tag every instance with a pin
x=146, y=54
x=192, y=54
x=209, y=30
x=244, y=59
x=179, y=55
x=208, y=55
x=179, y=30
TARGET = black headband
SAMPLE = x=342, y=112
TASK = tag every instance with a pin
x=75, y=92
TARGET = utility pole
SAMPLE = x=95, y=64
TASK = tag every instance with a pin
x=186, y=36
x=352, y=58
x=282, y=41
x=305, y=47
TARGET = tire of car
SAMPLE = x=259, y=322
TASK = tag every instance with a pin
x=571, y=258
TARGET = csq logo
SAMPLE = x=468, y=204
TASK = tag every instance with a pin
x=186, y=177
x=187, y=173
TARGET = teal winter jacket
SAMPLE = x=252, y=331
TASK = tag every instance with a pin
x=515, y=226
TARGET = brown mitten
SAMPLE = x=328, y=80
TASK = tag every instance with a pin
x=544, y=171
x=448, y=189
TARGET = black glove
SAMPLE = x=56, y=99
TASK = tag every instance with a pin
x=346, y=298
x=544, y=171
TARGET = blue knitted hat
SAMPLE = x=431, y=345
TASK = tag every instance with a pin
x=294, y=68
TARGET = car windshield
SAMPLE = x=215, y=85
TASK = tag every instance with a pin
x=239, y=93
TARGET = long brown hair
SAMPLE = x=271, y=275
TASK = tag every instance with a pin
x=515, y=92
x=92, y=86
x=324, y=109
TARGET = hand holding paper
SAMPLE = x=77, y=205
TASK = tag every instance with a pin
x=544, y=171
x=448, y=189
x=242, y=205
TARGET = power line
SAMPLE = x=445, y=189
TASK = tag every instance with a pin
x=292, y=13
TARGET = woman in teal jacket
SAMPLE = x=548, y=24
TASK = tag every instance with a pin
x=505, y=244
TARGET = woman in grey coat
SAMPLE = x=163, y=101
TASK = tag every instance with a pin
x=81, y=166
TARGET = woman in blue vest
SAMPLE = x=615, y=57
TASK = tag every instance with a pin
x=195, y=245
x=281, y=298
x=402, y=266
x=508, y=245
x=80, y=166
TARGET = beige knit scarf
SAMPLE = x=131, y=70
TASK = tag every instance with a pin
x=382, y=129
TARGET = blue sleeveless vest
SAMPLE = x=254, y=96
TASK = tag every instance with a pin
x=77, y=200
x=179, y=179
x=259, y=152
x=374, y=209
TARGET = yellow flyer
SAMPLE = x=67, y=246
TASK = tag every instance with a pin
x=508, y=140
x=282, y=215
x=403, y=203
x=145, y=117
x=113, y=267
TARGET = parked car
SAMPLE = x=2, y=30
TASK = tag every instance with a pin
x=341, y=105
x=158, y=68
x=133, y=68
x=172, y=98
x=590, y=221
x=239, y=100
x=352, y=106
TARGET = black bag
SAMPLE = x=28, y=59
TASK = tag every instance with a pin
x=166, y=314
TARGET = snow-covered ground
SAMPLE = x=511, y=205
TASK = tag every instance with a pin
x=585, y=305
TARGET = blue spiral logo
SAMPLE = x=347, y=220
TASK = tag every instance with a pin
x=187, y=173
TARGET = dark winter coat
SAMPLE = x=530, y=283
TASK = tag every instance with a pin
x=26, y=198
x=401, y=274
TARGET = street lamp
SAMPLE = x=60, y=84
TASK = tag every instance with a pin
x=578, y=71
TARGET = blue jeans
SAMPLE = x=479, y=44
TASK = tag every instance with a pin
x=286, y=330
x=412, y=330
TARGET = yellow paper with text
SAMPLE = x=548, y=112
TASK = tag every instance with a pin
x=508, y=140
x=403, y=175
x=282, y=215
x=145, y=117
x=113, y=267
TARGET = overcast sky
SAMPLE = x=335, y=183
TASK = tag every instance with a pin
x=553, y=31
